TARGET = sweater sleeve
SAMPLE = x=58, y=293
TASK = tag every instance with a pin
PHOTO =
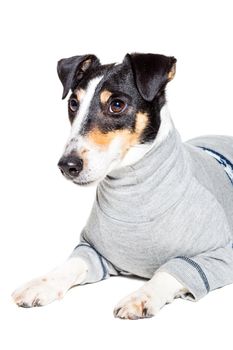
x=98, y=267
x=202, y=273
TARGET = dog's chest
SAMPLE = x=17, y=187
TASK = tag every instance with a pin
x=175, y=201
x=141, y=248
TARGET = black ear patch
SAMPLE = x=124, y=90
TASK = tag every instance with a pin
x=71, y=70
x=151, y=72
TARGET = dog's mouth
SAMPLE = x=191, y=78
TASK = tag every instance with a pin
x=76, y=180
x=84, y=183
x=80, y=173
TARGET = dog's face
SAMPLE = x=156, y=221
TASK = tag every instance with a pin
x=114, y=111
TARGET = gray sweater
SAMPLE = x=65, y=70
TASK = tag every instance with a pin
x=171, y=211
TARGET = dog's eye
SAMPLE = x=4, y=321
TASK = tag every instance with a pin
x=117, y=106
x=73, y=104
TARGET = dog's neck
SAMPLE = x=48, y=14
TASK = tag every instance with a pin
x=160, y=177
x=137, y=152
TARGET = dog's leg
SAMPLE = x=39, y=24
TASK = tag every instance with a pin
x=150, y=298
x=52, y=286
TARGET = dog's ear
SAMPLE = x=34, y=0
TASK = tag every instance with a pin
x=151, y=72
x=71, y=70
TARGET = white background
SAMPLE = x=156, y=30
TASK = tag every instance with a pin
x=42, y=214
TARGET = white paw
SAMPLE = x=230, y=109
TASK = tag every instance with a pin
x=150, y=298
x=38, y=292
x=53, y=286
x=140, y=304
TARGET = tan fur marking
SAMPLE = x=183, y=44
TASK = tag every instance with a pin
x=86, y=64
x=104, y=96
x=141, y=122
x=103, y=140
x=80, y=93
x=172, y=72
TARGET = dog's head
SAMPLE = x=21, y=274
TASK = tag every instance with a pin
x=113, y=109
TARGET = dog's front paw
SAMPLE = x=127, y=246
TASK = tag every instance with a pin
x=38, y=292
x=52, y=286
x=140, y=304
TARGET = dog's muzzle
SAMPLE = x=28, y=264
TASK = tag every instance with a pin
x=70, y=166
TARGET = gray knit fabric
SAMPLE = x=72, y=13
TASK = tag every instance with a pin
x=171, y=211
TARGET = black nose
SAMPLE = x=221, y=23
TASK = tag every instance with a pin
x=70, y=166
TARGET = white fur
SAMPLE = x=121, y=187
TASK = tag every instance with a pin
x=165, y=127
x=82, y=113
x=99, y=161
x=150, y=298
x=145, y=302
x=52, y=286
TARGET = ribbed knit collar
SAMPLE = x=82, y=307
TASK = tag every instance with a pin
x=148, y=187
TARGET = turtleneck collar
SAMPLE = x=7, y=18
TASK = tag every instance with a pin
x=151, y=185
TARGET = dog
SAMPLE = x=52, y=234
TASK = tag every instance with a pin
x=163, y=209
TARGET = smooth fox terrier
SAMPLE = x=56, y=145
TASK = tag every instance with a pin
x=163, y=208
